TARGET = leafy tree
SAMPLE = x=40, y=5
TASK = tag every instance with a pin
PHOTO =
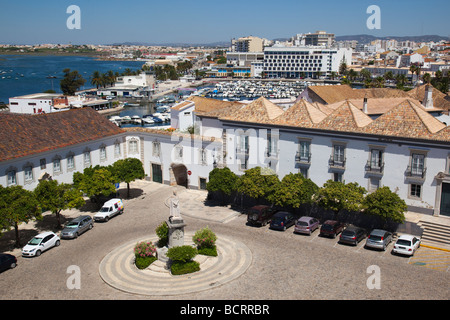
x=96, y=79
x=17, y=205
x=294, y=190
x=258, y=183
x=338, y=196
x=222, y=180
x=128, y=170
x=56, y=197
x=94, y=182
x=71, y=82
x=385, y=204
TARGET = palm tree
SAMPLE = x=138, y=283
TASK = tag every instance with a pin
x=426, y=78
x=96, y=79
x=366, y=74
x=412, y=68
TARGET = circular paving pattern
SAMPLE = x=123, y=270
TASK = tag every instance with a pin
x=119, y=271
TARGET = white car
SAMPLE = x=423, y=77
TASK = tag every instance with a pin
x=406, y=244
x=40, y=243
x=109, y=210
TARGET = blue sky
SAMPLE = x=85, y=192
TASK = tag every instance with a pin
x=201, y=21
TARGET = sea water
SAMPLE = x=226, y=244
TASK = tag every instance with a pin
x=27, y=74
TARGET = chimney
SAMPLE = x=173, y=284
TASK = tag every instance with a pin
x=364, y=109
x=428, y=100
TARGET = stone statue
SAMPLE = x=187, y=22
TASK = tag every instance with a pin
x=175, y=208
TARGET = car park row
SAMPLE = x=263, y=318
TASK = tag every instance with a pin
x=348, y=234
x=73, y=229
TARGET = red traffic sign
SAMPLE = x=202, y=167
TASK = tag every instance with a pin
x=189, y=172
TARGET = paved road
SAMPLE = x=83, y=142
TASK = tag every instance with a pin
x=284, y=265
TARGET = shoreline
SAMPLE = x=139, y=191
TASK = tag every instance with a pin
x=96, y=56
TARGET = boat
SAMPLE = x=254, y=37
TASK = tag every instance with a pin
x=148, y=120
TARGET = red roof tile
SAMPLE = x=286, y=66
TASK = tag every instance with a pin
x=22, y=134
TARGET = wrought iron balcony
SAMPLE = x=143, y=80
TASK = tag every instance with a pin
x=374, y=167
x=416, y=172
x=338, y=163
x=303, y=158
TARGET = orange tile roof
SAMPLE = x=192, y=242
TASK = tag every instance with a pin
x=260, y=110
x=23, y=134
x=406, y=120
x=345, y=118
x=302, y=114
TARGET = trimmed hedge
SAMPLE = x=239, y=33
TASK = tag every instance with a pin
x=179, y=267
x=144, y=262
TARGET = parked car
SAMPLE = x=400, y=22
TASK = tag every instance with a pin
x=306, y=225
x=40, y=243
x=352, y=235
x=331, y=228
x=282, y=220
x=259, y=215
x=7, y=261
x=378, y=239
x=77, y=226
x=109, y=209
x=406, y=244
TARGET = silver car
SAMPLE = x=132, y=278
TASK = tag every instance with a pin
x=379, y=239
x=77, y=226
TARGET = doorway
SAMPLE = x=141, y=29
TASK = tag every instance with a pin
x=157, y=173
x=180, y=174
x=445, y=200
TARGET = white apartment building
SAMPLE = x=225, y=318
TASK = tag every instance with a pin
x=295, y=62
x=33, y=103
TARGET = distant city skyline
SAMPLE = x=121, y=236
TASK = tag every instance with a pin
x=203, y=22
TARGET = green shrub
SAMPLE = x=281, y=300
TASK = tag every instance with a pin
x=144, y=262
x=162, y=231
x=212, y=252
x=179, y=267
x=204, y=238
x=182, y=253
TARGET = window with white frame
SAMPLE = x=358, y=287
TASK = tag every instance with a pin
x=117, y=151
x=87, y=158
x=417, y=163
x=12, y=180
x=102, y=153
x=202, y=156
x=339, y=153
x=156, y=148
x=133, y=146
x=70, y=162
x=56, y=165
x=28, y=173
x=178, y=152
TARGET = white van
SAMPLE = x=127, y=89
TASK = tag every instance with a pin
x=109, y=209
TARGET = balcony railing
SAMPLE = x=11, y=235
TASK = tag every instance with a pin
x=374, y=167
x=303, y=158
x=271, y=153
x=416, y=172
x=337, y=163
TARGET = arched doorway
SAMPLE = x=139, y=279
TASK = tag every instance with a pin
x=180, y=175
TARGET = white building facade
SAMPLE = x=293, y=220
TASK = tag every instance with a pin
x=296, y=62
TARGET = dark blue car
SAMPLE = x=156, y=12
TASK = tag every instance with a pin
x=7, y=261
x=282, y=220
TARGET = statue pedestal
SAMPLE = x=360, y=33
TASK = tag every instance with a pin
x=176, y=238
x=176, y=231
